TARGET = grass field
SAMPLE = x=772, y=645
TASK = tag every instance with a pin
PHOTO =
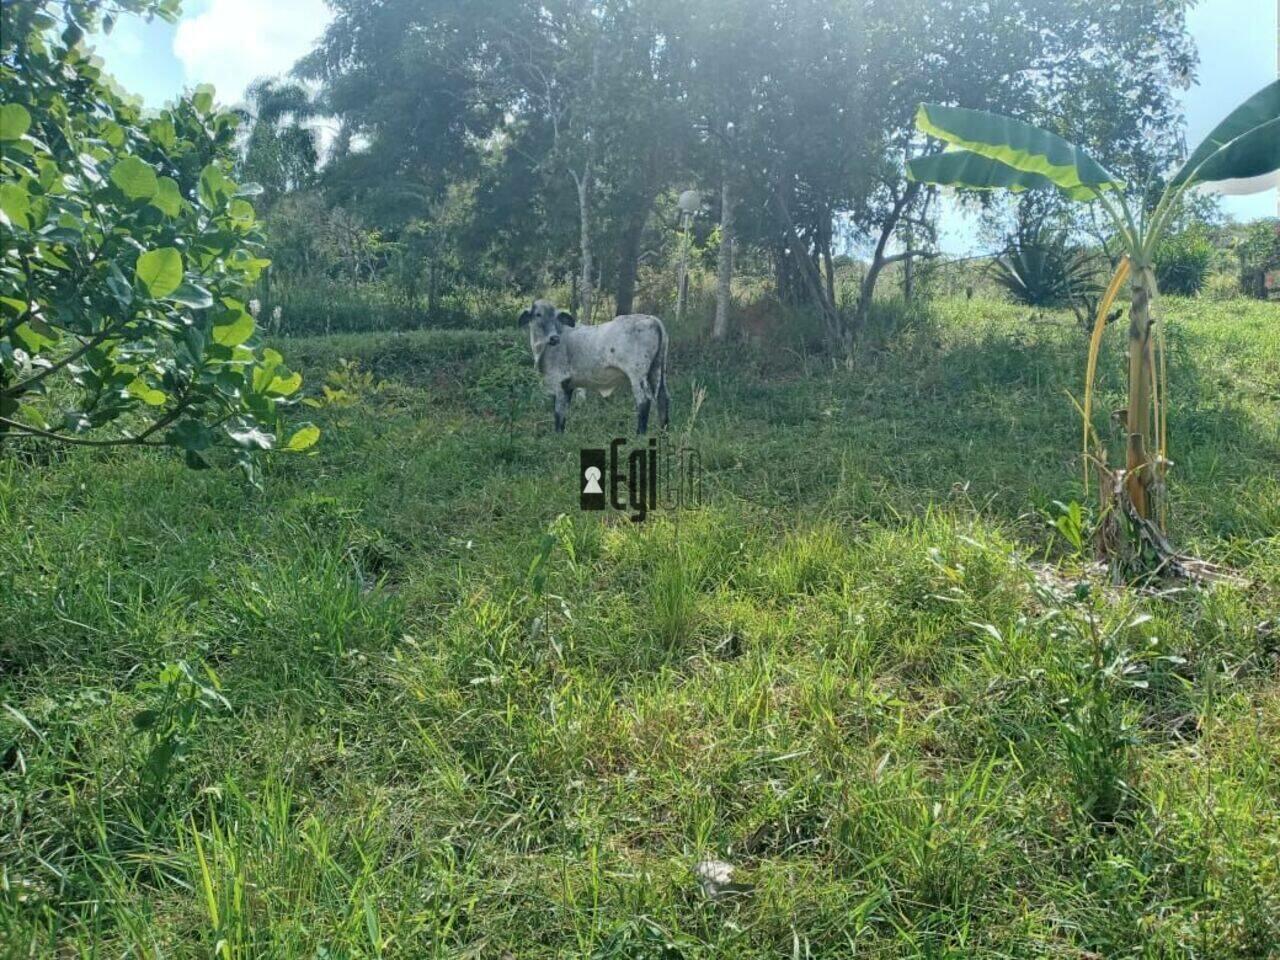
x=454, y=716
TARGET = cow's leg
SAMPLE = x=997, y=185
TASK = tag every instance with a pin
x=640, y=387
x=562, y=398
x=664, y=403
x=561, y=407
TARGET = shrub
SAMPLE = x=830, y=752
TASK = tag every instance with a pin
x=1222, y=286
x=1045, y=272
x=127, y=257
x=1182, y=262
x=1259, y=252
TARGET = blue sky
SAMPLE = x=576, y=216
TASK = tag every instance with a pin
x=231, y=42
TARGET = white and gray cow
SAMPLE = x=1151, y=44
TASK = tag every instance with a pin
x=629, y=349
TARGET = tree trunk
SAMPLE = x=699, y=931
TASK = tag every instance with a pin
x=585, y=184
x=724, y=275
x=1139, y=465
x=836, y=332
x=829, y=268
x=629, y=258
x=586, y=282
x=878, y=260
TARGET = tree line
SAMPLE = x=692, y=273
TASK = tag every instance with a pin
x=511, y=144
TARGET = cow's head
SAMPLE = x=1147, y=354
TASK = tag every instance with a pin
x=545, y=324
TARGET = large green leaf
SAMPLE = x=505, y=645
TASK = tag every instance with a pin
x=160, y=271
x=1247, y=164
x=15, y=206
x=233, y=328
x=1244, y=144
x=135, y=178
x=168, y=197
x=1018, y=145
x=964, y=168
x=14, y=121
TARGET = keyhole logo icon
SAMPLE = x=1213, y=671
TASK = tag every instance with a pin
x=590, y=473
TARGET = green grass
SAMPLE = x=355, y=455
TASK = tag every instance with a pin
x=432, y=710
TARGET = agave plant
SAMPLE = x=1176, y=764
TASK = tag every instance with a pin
x=986, y=151
x=1045, y=272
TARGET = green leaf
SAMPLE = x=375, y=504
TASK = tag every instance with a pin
x=192, y=295
x=202, y=99
x=14, y=121
x=251, y=267
x=283, y=386
x=1244, y=121
x=160, y=271
x=241, y=214
x=168, y=197
x=1247, y=164
x=163, y=133
x=135, y=178
x=191, y=435
x=34, y=335
x=119, y=286
x=304, y=438
x=236, y=332
x=15, y=204
x=113, y=133
x=973, y=171
x=1016, y=144
x=148, y=394
x=194, y=340
x=214, y=187
x=264, y=375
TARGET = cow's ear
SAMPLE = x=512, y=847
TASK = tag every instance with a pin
x=565, y=317
x=525, y=317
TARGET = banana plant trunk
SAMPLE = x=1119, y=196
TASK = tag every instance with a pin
x=1140, y=472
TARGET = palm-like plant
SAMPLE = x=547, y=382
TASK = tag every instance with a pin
x=280, y=150
x=1045, y=271
x=987, y=151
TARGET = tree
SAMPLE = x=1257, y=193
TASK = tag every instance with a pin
x=565, y=119
x=987, y=151
x=128, y=253
x=1101, y=73
x=280, y=151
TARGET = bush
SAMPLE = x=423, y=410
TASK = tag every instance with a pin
x=1259, y=253
x=1222, y=286
x=328, y=306
x=128, y=252
x=1045, y=271
x=1182, y=262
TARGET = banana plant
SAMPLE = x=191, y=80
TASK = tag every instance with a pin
x=986, y=151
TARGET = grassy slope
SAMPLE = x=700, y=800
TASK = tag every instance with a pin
x=842, y=674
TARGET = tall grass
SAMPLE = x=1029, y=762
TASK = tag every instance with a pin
x=410, y=701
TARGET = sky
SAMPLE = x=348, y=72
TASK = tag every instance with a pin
x=230, y=43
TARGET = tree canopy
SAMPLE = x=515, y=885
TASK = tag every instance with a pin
x=565, y=123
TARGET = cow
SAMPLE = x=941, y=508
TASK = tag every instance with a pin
x=628, y=349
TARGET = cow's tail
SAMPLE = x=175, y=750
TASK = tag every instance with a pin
x=658, y=376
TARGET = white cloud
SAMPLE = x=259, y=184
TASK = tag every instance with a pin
x=233, y=42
